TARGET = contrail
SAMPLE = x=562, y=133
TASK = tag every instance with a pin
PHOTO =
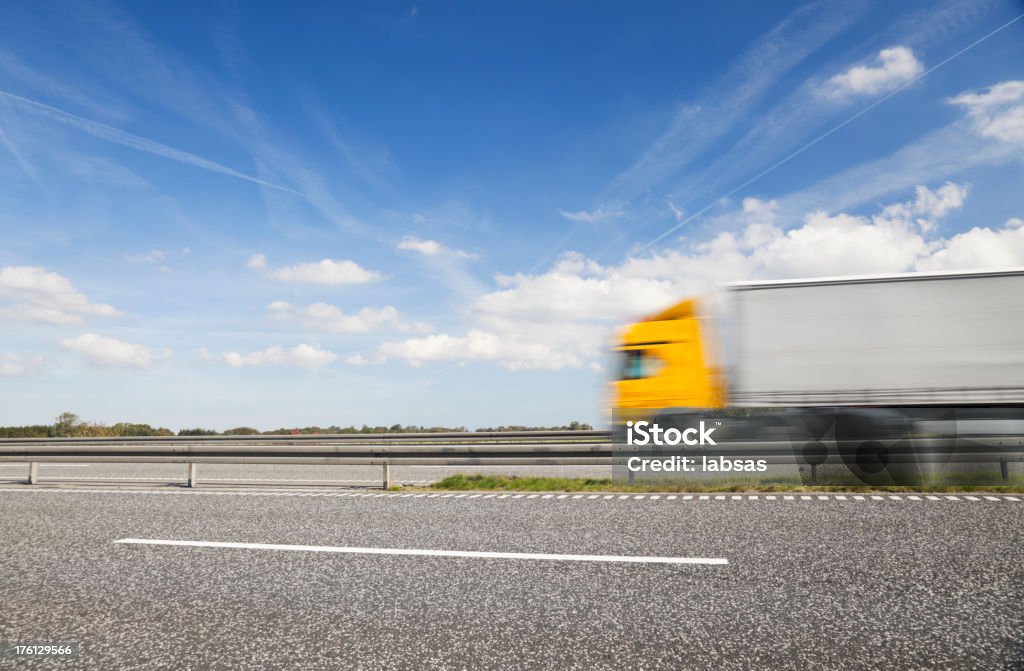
x=826, y=134
x=11, y=147
x=125, y=139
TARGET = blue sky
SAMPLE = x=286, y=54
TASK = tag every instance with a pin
x=438, y=213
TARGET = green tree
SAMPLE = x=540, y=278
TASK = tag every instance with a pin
x=197, y=432
x=66, y=424
x=242, y=431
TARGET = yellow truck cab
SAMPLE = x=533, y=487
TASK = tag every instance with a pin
x=665, y=361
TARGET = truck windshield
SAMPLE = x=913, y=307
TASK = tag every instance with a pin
x=638, y=363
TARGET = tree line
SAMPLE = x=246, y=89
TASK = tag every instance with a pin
x=69, y=425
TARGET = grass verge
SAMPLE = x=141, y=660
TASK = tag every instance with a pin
x=510, y=483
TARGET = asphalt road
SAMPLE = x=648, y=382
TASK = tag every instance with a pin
x=856, y=582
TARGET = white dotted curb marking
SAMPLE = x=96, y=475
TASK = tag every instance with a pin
x=553, y=497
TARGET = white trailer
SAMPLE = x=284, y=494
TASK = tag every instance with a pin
x=951, y=338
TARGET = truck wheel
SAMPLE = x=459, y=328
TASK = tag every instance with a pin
x=872, y=457
x=814, y=452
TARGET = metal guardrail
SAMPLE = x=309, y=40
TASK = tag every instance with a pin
x=511, y=448
x=534, y=448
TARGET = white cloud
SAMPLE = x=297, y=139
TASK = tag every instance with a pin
x=591, y=216
x=997, y=95
x=559, y=319
x=936, y=155
x=110, y=352
x=480, y=345
x=895, y=66
x=38, y=313
x=431, y=248
x=424, y=247
x=838, y=245
x=327, y=271
x=327, y=317
x=360, y=360
x=895, y=239
x=38, y=295
x=300, y=356
x=565, y=317
x=677, y=212
x=997, y=113
x=937, y=204
x=928, y=206
x=446, y=264
x=155, y=256
x=17, y=365
x=980, y=248
x=149, y=257
x=575, y=288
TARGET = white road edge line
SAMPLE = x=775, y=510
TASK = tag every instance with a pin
x=428, y=553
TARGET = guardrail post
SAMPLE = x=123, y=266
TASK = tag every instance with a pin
x=814, y=474
x=1004, y=470
x=33, y=473
x=387, y=475
x=192, y=479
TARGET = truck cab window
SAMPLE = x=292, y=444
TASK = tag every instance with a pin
x=638, y=364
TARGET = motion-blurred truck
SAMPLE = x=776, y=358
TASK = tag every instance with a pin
x=867, y=358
